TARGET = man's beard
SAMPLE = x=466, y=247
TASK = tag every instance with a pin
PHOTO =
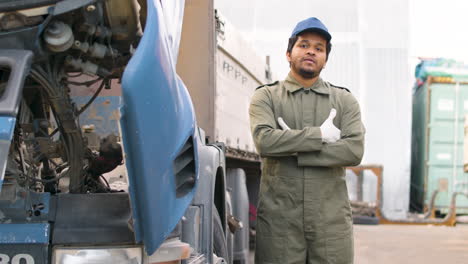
x=306, y=74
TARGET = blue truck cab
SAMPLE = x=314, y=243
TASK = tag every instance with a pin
x=55, y=205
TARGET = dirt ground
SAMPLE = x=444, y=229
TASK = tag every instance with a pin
x=395, y=244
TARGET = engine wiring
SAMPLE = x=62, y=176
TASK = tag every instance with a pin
x=71, y=135
x=70, y=166
x=41, y=156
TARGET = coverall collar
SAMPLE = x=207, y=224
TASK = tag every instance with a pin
x=319, y=86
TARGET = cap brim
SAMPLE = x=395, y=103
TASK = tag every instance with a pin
x=322, y=32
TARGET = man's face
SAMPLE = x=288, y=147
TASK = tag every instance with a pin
x=308, y=55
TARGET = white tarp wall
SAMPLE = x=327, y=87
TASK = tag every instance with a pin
x=370, y=56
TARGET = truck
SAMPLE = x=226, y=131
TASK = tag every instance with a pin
x=187, y=199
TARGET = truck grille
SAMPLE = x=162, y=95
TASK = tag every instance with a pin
x=184, y=169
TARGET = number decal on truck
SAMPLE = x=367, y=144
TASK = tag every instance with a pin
x=5, y=259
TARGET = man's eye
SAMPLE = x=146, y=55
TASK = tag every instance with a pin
x=319, y=49
x=304, y=46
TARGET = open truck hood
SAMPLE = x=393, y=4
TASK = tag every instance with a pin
x=158, y=126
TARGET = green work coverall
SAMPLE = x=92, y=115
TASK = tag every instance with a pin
x=304, y=214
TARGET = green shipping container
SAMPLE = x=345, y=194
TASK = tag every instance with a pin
x=440, y=103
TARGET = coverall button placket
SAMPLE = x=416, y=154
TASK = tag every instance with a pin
x=311, y=202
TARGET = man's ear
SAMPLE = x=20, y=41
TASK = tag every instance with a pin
x=288, y=56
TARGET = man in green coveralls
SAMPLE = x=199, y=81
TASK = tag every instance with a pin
x=306, y=131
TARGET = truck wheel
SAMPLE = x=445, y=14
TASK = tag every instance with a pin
x=365, y=220
x=219, y=240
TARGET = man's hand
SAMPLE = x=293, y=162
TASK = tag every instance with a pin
x=330, y=133
x=282, y=124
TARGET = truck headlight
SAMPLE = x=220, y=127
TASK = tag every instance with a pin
x=97, y=255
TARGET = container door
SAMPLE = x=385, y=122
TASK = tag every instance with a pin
x=445, y=164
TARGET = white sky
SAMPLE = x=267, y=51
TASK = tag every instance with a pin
x=439, y=28
x=436, y=28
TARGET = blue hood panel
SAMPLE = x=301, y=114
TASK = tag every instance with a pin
x=157, y=121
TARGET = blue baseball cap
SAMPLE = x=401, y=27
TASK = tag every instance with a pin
x=311, y=24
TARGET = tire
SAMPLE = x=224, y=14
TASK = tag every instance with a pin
x=365, y=220
x=219, y=239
